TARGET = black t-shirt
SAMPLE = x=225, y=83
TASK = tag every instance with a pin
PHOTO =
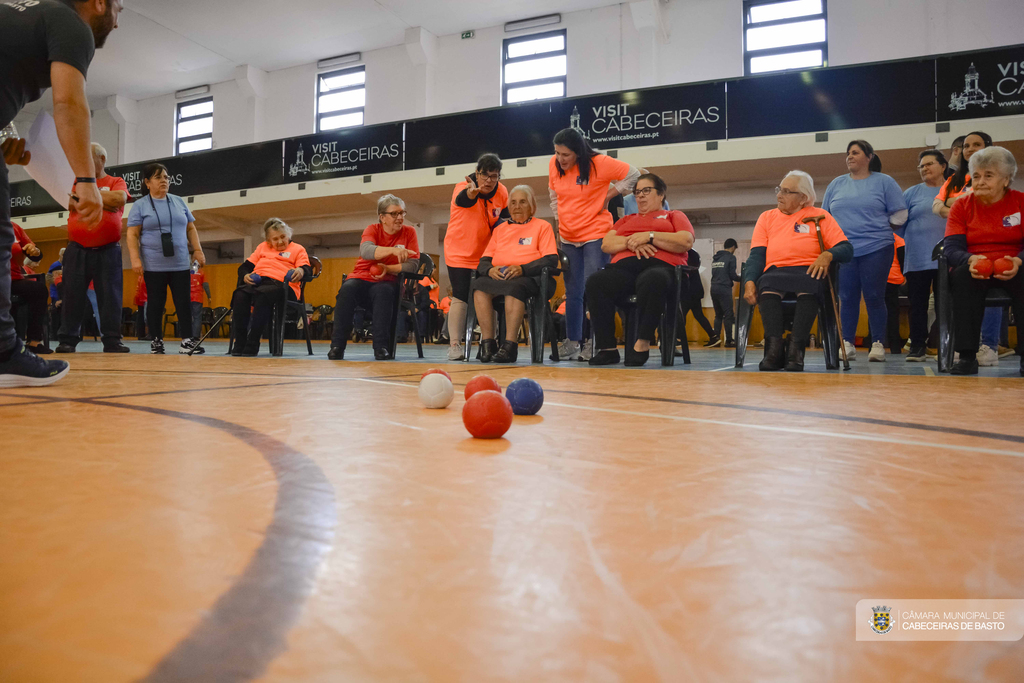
x=34, y=33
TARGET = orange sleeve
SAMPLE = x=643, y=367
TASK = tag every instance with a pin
x=491, y=244
x=257, y=254
x=303, y=258
x=546, y=241
x=610, y=170
x=831, y=233
x=760, y=238
x=956, y=224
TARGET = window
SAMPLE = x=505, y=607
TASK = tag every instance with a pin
x=193, y=131
x=784, y=35
x=340, y=98
x=533, y=67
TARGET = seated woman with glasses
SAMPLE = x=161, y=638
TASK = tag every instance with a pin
x=645, y=247
x=785, y=257
x=519, y=249
x=386, y=249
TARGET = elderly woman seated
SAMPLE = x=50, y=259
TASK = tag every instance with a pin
x=386, y=249
x=984, y=235
x=272, y=272
x=518, y=250
x=645, y=247
x=786, y=256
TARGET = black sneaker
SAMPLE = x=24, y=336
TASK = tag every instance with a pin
x=26, y=369
x=39, y=349
x=965, y=367
x=65, y=348
x=336, y=353
x=713, y=342
x=730, y=344
x=917, y=354
x=191, y=345
x=605, y=357
x=116, y=348
x=381, y=354
x=157, y=346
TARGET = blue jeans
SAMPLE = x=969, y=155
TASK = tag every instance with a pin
x=867, y=275
x=583, y=262
x=992, y=328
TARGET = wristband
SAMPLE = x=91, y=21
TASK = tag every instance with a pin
x=85, y=180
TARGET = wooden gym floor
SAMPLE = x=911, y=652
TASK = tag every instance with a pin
x=285, y=519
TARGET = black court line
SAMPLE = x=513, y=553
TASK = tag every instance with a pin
x=58, y=399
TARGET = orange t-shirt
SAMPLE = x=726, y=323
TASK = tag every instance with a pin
x=445, y=304
x=896, y=273
x=515, y=244
x=405, y=238
x=656, y=221
x=790, y=242
x=561, y=308
x=945, y=188
x=470, y=229
x=582, y=214
x=275, y=264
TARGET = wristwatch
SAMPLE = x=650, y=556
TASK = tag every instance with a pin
x=651, y=241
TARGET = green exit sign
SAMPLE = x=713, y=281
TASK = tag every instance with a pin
x=467, y=34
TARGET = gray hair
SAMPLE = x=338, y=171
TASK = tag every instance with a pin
x=388, y=200
x=805, y=185
x=277, y=224
x=999, y=159
x=528, y=191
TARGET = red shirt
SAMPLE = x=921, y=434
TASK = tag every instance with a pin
x=109, y=229
x=406, y=237
x=895, y=272
x=140, y=292
x=790, y=241
x=197, y=286
x=582, y=212
x=656, y=221
x=275, y=264
x=993, y=230
x=17, y=254
x=515, y=244
x=470, y=229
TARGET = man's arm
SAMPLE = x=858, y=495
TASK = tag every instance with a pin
x=113, y=199
x=71, y=114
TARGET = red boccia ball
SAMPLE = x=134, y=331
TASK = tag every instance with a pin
x=376, y=270
x=435, y=371
x=1002, y=265
x=487, y=414
x=983, y=267
x=481, y=383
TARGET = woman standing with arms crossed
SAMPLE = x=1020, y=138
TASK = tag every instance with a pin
x=867, y=204
x=477, y=206
x=581, y=181
x=162, y=242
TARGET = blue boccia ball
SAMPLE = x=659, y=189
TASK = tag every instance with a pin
x=525, y=395
x=255, y=278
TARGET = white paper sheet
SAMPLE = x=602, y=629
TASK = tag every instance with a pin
x=48, y=166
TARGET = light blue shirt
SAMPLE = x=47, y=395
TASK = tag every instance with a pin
x=172, y=215
x=862, y=209
x=629, y=205
x=923, y=228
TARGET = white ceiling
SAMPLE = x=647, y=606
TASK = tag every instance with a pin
x=166, y=45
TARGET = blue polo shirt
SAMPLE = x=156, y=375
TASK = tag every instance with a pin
x=171, y=215
x=862, y=209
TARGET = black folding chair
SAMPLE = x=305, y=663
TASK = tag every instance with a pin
x=280, y=318
x=405, y=300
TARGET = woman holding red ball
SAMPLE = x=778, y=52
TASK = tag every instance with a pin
x=984, y=245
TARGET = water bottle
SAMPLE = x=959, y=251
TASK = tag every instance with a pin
x=9, y=131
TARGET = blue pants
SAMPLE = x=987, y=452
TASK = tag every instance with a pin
x=584, y=261
x=867, y=275
x=992, y=328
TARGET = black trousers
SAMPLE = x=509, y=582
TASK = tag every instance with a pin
x=34, y=294
x=968, y=296
x=721, y=297
x=102, y=267
x=892, y=321
x=378, y=297
x=180, y=283
x=613, y=285
x=694, y=306
x=920, y=285
x=260, y=300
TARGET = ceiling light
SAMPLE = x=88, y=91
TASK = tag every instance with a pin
x=191, y=92
x=535, y=22
x=338, y=61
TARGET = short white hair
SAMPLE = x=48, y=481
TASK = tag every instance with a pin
x=528, y=191
x=999, y=159
x=277, y=224
x=98, y=151
x=804, y=185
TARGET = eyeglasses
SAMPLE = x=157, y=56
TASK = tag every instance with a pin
x=642, y=191
x=492, y=176
x=396, y=214
x=779, y=190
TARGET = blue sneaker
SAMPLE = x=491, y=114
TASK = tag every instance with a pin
x=26, y=369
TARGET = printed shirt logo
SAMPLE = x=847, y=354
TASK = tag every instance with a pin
x=284, y=254
x=525, y=241
x=801, y=228
x=1012, y=220
x=663, y=217
x=881, y=619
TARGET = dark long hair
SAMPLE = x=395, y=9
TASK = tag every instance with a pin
x=958, y=180
x=149, y=171
x=571, y=138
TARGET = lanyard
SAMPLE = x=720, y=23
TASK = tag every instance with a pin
x=170, y=216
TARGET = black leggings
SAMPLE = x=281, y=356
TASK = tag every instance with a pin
x=34, y=293
x=892, y=325
x=968, y=296
x=378, y=297
x=181, y=291
x=460, y=279
x=261, y=299
x=649, y=279
x=770, y=305
x=920, y=283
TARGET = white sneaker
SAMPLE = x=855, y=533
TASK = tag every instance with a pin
x=987, y=357
x=851, y=350
x=586, y=352
x=456, y=352
x=568, y=350
x=877, y=353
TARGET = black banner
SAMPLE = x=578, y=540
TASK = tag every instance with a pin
x=981, y=84
x=346, y=152
x=624, y=119
x=888, y=94
x=219, y=170
x=29, y=198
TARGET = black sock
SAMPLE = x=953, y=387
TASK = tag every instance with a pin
x=771, y=314
x=803, y=318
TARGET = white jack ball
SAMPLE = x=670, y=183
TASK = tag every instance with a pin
x=436, y=391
